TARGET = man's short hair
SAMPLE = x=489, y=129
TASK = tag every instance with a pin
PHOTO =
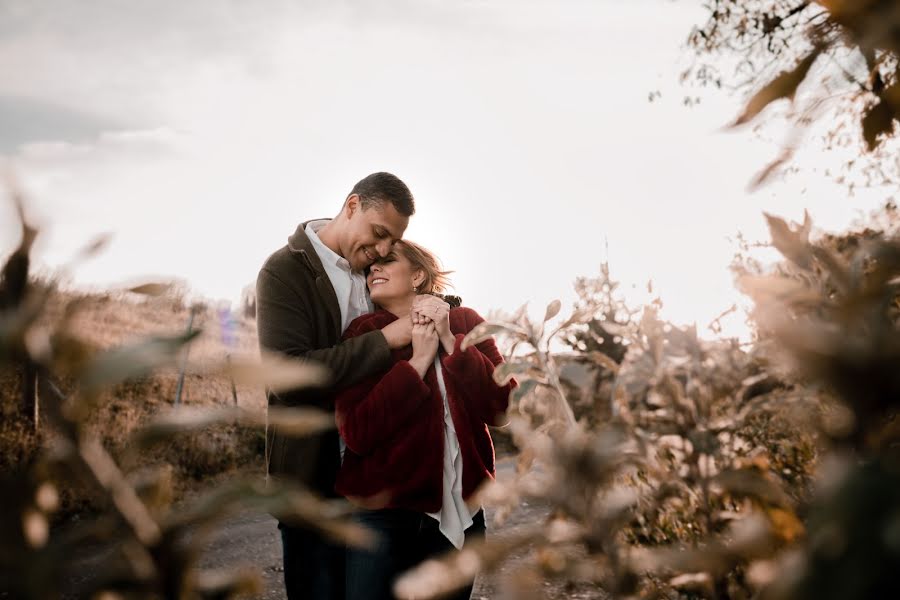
x=378, y=188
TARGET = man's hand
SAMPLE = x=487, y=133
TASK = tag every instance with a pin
x=425, y=345
x=398, y=334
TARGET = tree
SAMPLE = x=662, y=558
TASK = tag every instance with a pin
x=841, y=54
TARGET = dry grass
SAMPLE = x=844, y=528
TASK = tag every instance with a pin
x=108, y=320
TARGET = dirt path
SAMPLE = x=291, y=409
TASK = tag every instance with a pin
x=252, y=540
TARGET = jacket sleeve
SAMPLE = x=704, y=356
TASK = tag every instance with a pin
x=372, y=411
x=285, y=327
x=369, y=413
x=474, y=368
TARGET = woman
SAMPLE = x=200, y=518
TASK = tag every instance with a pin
x=417, y=443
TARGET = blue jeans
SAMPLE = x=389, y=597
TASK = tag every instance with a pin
x=313, y=566
x=405, y=538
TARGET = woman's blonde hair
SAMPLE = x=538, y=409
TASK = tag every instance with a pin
x=436, y=280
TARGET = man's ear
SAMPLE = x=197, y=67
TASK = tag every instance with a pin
x=351, y=205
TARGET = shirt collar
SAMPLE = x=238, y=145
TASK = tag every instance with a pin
x=325, y=253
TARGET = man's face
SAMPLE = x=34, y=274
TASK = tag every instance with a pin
x=371, y=232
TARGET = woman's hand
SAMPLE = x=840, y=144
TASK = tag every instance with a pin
x=435, y=310
x=425, y=345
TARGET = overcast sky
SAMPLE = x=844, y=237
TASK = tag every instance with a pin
x=202, y=132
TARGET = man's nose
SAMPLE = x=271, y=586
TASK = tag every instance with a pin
x=383, y=248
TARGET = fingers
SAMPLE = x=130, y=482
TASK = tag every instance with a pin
x=428, y=308
x=433, y=313
x=421, y=318
x=427, y=300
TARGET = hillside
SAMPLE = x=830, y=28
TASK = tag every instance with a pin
x=110, y=320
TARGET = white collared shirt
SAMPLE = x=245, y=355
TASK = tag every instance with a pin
x=455, y=516
x=349, y=286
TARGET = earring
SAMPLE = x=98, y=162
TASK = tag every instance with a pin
x=415, y=288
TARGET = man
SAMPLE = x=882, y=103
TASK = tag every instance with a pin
x=307, y=294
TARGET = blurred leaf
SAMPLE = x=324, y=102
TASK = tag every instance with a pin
x=604, y=361
x=227, y=584
x=14, y=277
x=504, y=372
x=285, y=502
x=122, y=495
x=180, y=420
x=29, y=232
x=766, y=288
x=552, y=310
x=794, y=245
x=785, y=524
x=70, y=354
x=747, y=539
x=46, y=497
x=770, y=169
x=154, y=487
x=834, y=265
x=438, y=578
x=525, y=388
x=486, y=330
x=94, y=247
x=297, y=421
x=35, y=527
x=520, y=317
x=579, y=316
x=698, y=583
x=761, y=573
x=119, y=364
x=275, y=371
x=755, y=484
x=783, y=86
x=151, y=289
x=15, y=323
x=877, y=122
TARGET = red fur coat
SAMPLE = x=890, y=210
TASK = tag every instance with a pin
x=393, y=422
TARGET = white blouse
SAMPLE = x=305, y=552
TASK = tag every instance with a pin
x=454, y=517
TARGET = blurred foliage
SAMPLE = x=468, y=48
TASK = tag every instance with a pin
x=724, y=470
x=836, y=60
x=153, y=545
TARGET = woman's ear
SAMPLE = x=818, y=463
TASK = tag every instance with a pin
x=418, y=278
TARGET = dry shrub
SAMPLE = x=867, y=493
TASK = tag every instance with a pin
x=19, y=443
x=726, y=470
x=216, y=450
x=97, y=442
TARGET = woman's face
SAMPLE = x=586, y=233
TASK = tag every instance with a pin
x=392, y=278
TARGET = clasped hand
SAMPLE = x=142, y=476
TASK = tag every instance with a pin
x=430, y=318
